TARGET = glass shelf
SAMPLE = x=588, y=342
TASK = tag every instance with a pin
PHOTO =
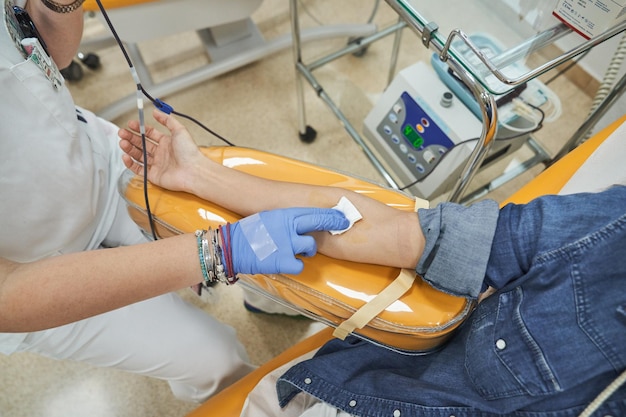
x=526, y=37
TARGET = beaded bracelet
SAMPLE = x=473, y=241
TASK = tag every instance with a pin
x=200, y=238
x=210, y=254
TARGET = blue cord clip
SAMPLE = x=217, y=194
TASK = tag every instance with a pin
x=163, y=106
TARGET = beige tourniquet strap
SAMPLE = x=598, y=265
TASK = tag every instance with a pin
x=421, y=203
x=384, y=299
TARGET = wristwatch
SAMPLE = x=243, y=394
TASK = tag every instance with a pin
x=62, y=8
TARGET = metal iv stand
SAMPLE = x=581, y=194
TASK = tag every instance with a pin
x=305, y=72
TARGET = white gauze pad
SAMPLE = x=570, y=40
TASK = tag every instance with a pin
x=350, y=211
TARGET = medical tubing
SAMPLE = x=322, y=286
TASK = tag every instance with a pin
x=159, y=104
x=609, y=77
x=141, y=117
x=142, y=131
x=524, y=111
x=114, y=32
x=611, y=74
x=217, y=135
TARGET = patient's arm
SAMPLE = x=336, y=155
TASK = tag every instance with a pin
x=385, y=236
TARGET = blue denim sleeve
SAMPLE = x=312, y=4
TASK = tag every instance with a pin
x=458, y=245
x=527, y=232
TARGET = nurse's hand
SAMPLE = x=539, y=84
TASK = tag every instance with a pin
x=268, y=242
x=171, y=157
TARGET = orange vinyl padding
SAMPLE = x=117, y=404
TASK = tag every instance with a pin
x=425, y=317
x=229, y=402
x=92, y=6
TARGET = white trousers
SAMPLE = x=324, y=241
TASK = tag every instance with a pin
x=263, y=402
x=164, y=337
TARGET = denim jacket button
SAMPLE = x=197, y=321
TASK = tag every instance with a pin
x=352, y=403
x=307, y=381
x=500, y=344
x=396, y=413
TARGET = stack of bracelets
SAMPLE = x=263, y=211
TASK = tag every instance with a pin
x=213, y=244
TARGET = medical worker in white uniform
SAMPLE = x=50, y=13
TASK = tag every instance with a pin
x=59, y=166
x=58, y=171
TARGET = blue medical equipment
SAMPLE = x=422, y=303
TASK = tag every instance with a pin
x=426, y=123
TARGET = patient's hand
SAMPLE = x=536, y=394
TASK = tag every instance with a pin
x=171, y=157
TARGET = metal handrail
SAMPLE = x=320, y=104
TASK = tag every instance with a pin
x=485, y=100
x=532, y=44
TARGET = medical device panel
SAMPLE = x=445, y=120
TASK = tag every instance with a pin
x=422, y=128
x=421, y=132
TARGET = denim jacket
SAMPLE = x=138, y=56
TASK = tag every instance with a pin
x=545, y=344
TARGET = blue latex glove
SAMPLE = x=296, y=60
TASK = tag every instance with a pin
x=267, y=242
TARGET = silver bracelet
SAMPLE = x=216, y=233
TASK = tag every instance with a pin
x=62, y=8
x=210, y=254
x=201, y=239
x=217, y=253
x=207, y=260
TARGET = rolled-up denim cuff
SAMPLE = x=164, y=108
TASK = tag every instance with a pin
x=458, y=245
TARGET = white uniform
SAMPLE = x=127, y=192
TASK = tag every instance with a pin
x=59, y=166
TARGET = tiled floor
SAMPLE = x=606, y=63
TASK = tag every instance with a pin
x=253, y=106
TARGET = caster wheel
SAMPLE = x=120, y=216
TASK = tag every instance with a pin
x=359, y=53
x=74, y=72
x=91, y=60
x=309, y=135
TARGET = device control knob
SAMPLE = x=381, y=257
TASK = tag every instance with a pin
x=428, y=156
x=446, y=99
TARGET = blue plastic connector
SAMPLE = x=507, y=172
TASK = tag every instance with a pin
x=163, y=106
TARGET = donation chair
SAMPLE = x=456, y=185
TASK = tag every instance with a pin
x=228, y=34
x=229, y=402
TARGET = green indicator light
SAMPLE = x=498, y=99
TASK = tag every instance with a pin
x=413, y=137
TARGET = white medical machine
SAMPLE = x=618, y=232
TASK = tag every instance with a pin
x=426, y=123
